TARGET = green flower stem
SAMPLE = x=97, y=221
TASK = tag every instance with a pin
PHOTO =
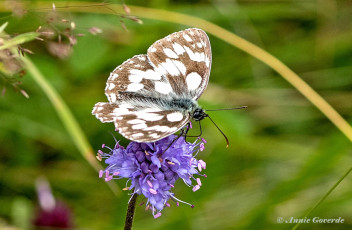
x=324, y=197
x=66, y=117
x=130, y=212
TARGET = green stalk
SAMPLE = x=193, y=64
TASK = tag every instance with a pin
x=18, y=40
x=324, y=197
x=66, y=116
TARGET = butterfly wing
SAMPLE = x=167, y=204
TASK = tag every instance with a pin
x=150, y=125
x=136, y=76
x=141, y=125
x=185, y=59
x=135, y=106
x=176, y=66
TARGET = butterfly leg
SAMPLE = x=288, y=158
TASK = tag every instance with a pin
x=200, y=129
x=183, y=131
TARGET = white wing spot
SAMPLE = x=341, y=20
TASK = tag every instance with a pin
x=162, y=87
x=137, y=74
x=195, y=56
x=173, y=117
x=207, y=61
x=158, y=128
x=170, y=53
x=180, y=66
x=199, y=45
x=135, y=121
x=178, y=48
x=121, y=111
x=172, y=129
x=139, y=126
x=191, y=32
x=133, y=87
x=113, y=76
x=152, y=49
x=193, y=80
x=142, y=58
x=188, y=38
x=170, y=67
x=154, y=135
x=137, y=135
x=112, y=97
x=149, y=116
x=111, y=86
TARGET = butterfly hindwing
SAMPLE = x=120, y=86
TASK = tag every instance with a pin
x=150, y=124
x=185, y=59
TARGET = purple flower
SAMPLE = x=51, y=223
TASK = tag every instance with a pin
x=153, y=168
x=51, y=213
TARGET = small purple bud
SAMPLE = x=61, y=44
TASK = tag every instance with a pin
x=144, y=167
x=140, y=156
x=159, y=176
x=153, y=168
x=169, y=174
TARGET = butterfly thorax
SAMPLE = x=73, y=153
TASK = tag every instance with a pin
x=188, y=105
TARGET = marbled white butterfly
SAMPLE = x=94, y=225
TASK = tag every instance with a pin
x=154, y=95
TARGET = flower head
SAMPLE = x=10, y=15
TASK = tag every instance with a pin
x=153, y=168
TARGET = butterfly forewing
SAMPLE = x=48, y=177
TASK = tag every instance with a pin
x=135, y=76
x=185, y=59
x=143, y=89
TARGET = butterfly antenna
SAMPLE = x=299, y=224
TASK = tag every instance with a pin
x=242, y=107
x=227, y=140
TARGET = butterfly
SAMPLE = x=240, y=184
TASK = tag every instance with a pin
x=154, y=95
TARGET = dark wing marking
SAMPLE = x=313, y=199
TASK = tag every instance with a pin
x=150, y=125
x=136, y=76
x=185, y=59
x=108, y=112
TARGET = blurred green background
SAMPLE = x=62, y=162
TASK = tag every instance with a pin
x=284, y=155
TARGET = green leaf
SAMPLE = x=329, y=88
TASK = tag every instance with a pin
x=20, y=39
x=3, y=26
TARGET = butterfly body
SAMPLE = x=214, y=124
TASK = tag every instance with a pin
x=152, y=96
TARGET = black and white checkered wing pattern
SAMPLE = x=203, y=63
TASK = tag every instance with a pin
x=141, y=125
x=185, y=59
x=136, y=76
x=141, y=90
x=150, y=124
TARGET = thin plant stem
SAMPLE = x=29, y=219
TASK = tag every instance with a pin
x=130, y=212
x=66, y=116
x=324, y=197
